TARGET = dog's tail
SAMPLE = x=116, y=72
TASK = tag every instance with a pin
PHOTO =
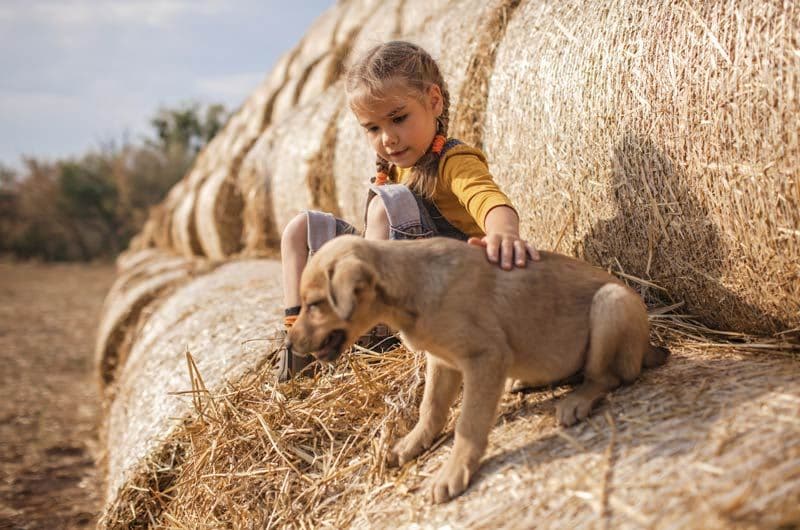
x=655, y=356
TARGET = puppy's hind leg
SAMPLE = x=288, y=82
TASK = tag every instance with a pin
x=441, y=388
x=618, y=339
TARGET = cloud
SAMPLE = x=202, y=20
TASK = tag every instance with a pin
x=230, y=89
x=78, y=14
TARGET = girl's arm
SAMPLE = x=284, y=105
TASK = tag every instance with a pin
x=502, y=241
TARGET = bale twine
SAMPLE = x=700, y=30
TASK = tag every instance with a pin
x=211, y=317
x=660, y=140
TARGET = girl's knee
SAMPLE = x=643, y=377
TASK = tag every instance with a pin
x=295, y=233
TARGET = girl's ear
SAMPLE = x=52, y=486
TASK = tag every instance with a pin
x=436, y=99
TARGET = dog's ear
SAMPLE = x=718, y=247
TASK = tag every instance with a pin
x=349, y=279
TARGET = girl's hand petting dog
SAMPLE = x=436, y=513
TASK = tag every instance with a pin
x=502, y=242
x=507, y=250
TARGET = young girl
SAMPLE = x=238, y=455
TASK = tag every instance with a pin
x=426, y=184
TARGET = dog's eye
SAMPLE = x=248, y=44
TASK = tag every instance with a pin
x=312, y=307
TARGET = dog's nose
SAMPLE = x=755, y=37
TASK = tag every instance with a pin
x=288, y=344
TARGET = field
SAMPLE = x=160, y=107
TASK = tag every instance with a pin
x=50, y=406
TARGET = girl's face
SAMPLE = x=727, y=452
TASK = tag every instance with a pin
x=399, y=125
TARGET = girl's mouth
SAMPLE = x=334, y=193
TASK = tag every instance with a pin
x=398, y=153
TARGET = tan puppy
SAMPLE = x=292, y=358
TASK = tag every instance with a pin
x=479, y=325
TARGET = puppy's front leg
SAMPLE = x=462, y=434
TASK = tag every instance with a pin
x=441, y=387
x=484, y=378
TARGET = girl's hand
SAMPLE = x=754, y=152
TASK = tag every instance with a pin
x=506, y=249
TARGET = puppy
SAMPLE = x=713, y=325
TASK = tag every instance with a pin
x=478, y=325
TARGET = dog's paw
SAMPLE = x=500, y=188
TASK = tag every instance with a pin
x=408, y=448
x=451, y=481
x=572, y=409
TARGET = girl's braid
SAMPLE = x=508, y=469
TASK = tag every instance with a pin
x=426, y=171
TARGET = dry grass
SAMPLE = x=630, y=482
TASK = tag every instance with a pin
x=660, y=138
x=677, y=449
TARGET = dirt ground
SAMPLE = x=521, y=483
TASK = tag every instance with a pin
x=49, y=409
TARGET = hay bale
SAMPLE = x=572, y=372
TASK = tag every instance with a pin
x=719, y=420
x=131, y=258
x=165, y=211
x=259, y=232
x=210, y=317
x=660, y=140
x=293, y=162
x=123, y=309
x=218, y=215
x=183, y=228
x=147, y=265
x=220, y=211
x=316, y=45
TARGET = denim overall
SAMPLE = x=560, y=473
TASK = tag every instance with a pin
x=410, y=216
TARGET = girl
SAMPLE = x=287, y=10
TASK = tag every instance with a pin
x=426, y=185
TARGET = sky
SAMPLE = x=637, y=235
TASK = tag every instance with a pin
x=77, y=74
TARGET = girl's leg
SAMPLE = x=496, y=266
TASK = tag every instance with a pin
x=294, y=255
x=303, y=236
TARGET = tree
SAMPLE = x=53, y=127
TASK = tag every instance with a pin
x=90, y=206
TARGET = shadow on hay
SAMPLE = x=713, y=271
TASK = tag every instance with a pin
x=665, y=234
x=672, y=409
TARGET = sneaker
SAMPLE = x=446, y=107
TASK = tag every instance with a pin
x=289, y=364
x=379, y=339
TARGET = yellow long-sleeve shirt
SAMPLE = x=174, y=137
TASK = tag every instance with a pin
x=465, y=190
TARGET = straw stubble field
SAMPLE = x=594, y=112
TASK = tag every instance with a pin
x=50, y=408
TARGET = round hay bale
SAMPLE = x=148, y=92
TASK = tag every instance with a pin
x=183, y=226
x=710, y=440
x=146, y=236
x=218, y=214
x=164, y=212
x=353, y=166
x=315, y=47
x=211, y=318
x=120, y=320
x=293, y=161
x=353, y=158
x=131, y=258
x=219, y=209
x=259, y=232
x=660, y=141
x=149, y=265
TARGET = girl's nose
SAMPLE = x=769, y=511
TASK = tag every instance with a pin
x=389, y=138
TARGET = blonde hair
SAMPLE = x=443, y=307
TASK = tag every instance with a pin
x=410, y=64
